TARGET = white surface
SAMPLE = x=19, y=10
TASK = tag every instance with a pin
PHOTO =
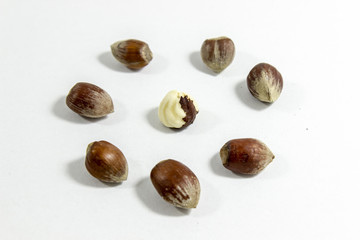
x=310, y=191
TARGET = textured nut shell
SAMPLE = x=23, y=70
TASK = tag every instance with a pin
x=89, y=100
x=106, y=162
x=218, y=53
x=246, y=155
x=176, y=183
x=265, y=82
x=134, y=54
x=177, y=110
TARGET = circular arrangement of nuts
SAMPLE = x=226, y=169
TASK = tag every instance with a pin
x=174, y=181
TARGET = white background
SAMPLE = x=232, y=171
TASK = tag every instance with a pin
x=309, y=191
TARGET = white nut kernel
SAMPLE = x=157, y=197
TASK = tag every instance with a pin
x=177, y=110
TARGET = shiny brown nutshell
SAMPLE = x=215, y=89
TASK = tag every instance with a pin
x=176, y=183
x=265, y=82
x=106, y=162
x=134, y=54
x=218, y=53
x=89, y=100
x=245, y=155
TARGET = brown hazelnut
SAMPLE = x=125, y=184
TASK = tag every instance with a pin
x=89, y=100
x=218, y=53
x=177, y=110
x=176, y=183
x=134, y=54
x=245, y=156
x=265, y=82
x=106, y=162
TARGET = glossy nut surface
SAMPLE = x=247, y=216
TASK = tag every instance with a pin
x=176, y=183
x=218, y=53
x=106, y=162
x=177, y=110
x=134, y=54
x=89, y=100
x=246, y=155
x=265, y=82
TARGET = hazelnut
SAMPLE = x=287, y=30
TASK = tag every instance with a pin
x=106, y=162
x=89, y=100
x=177, y=110
x=218, y=53
x=176, y=183
x=134, y=54
x=265, y=82
x=245, y=156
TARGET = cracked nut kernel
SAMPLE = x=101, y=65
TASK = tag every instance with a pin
x=177, y=110
x=134, y=54
x=89, y=100
x=218, y=53
x=265, y=82
x=106, y=162
x=176, y=183
x=245, y=155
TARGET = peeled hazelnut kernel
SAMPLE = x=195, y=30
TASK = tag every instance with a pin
x=177, y=110
x=218, y=53
x=176, y=183
x=245, y=156
x=106, y=162
x=89, y=100
x=265, y=82
x=134, y=54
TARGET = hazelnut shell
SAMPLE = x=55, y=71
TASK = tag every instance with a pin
x=134, y=54
x=176, y=183
x=218, y=53
x=89, y=100
x=245, y=155
x=265, y=82
x=106, y=162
